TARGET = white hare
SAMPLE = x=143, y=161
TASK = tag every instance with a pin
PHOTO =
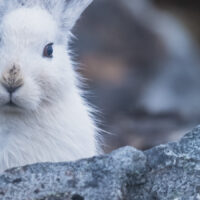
x=42, y=114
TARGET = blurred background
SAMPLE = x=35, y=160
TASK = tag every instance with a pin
x=141, y=61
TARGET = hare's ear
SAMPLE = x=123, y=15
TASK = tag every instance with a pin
x=67, y=12
x=72, y=11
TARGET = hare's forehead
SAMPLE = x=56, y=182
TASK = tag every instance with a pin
x=29, y=23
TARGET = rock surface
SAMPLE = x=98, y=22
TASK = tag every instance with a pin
x=170, y=171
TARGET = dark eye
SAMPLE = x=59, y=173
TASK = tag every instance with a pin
x=48, y=50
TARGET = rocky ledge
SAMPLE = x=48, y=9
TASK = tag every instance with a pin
x=170, y=171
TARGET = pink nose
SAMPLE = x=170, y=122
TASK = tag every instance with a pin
x=12, y=79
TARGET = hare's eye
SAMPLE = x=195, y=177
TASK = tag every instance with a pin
x=48, y=50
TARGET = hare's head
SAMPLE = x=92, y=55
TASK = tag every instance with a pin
x=35, y=68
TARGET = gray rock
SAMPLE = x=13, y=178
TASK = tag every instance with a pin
x=170, y=171
x=103, y=177
x=173, y=171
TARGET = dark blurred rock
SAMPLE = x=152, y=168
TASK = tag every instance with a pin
x=143, y=70
x=168, y=172
x=181, y=4
x=187, y=11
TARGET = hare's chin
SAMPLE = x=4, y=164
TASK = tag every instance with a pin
x=11, y=108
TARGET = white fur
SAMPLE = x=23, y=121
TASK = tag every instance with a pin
x=52, y=122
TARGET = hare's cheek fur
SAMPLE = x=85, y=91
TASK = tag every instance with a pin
x=45, y=81
x=26, y=98
x=55, y=78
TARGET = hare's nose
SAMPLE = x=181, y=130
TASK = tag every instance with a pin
x=11, y=88
x=12, y=79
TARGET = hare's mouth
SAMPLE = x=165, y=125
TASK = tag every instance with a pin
x=11, y=107
x=11, y=104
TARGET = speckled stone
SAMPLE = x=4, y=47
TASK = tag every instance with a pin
x=104, y=177
x=165, y=172
x=173, y=171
